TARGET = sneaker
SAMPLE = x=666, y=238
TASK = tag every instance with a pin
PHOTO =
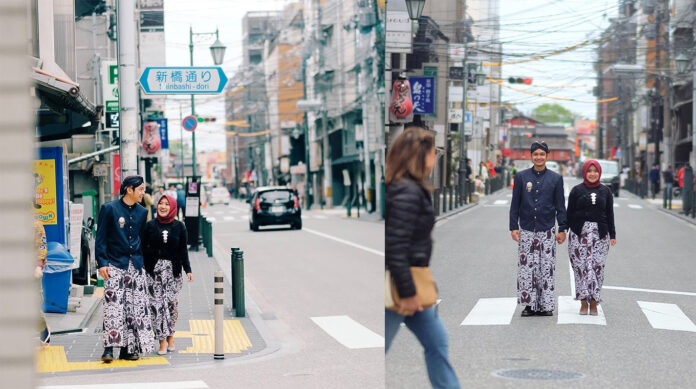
x=108, y=355
x=527, y=311
x=545, y=313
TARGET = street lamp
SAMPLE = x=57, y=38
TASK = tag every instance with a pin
x=681, y=61
x=415, y=8
x=218, y=52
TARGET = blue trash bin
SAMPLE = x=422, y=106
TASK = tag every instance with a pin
x=56, y=278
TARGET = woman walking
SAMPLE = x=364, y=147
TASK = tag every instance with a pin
x=409, y=222
x=591, y=220
x=165, y=254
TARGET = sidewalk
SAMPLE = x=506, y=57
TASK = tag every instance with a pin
x=76, y=352
x=343, y=213
x=676, y=210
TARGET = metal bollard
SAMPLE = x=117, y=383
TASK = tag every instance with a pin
x=238, y=284
x=219, y=318
x=209, y=245
x=232, y=256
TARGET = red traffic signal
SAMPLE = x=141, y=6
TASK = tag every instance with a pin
x=520, y=80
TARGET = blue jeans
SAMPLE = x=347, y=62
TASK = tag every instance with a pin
x=431, y=333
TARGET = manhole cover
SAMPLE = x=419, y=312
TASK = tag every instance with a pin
x=538, y=374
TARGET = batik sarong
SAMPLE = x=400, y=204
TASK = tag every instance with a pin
x=535, y=270
x=164, y=291
x=126, y=316
x=588, y=255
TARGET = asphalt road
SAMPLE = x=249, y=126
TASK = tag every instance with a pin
x=318, y=294
x=475, y=259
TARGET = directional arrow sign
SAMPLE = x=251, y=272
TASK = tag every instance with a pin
x=183, y=80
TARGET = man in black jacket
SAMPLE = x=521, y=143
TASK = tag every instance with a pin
x=537, y=202
x=120, y=260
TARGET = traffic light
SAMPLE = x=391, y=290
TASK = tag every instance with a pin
x=202, y=119
x=520, y=80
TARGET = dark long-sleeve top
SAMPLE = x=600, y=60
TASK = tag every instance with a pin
x=174, y=249
x=119, y=232
x=581, y=209
x=538, y=201
x=409, y=220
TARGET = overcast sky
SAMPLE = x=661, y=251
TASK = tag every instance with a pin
x=205, y=16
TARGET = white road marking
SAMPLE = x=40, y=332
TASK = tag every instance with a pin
x=508, y=195
x=369, y=250
x=349, y=332
x=635, y=206
x=211, y=219
x=616, y=205
x=500, y=202
x=648, y=290
x=149, y=385
x=228, y=218
x=572, y=280
x=219, y=212
x=491, y=311
x=666, y=316
x=321, y=217
x=568, y=313
x=244, y=217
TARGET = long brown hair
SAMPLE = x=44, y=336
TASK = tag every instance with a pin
x=407, y=155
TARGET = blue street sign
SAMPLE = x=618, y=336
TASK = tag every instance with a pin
x=467, y=117
x=423, y=95
x=189, y=123
x=163, y=130
x=183, y=80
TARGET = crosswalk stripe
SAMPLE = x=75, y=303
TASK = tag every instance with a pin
x=211, y=219
x=500, y=202
x=321, y=217
x=616, y=205
x=568, y=313
x=149, y=385
x=349, y=332
x=491, y=311
x=666, y=316
x=635, y=206
x=228, y=218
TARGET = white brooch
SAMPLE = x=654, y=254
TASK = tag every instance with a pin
x=593, y=197
x=529, y=186
x=121, y=221
x=165, y=233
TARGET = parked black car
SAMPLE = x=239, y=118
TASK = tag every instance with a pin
x=610, y=175
x=274, y=206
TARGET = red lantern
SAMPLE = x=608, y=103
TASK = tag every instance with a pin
x=151, y=137
x=401, y=105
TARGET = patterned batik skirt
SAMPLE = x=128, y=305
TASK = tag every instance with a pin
x=164, y=291
x=535, y=269
x=126, y=317
x=588, y=255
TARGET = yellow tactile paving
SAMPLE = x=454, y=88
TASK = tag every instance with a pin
x=202, y=336
x=52, y=359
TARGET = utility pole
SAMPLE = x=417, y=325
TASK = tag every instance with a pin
x=324, y=114
x=128, y=133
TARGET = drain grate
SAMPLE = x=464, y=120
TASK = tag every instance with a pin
x=538, y=374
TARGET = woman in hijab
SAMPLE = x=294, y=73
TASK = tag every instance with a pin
x=165, y=252
x=592, y=230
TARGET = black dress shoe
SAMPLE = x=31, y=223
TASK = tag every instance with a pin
x=108, y=355
x=545, y=313
x=128, y=357
x=527, y=311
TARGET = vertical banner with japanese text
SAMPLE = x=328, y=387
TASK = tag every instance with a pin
x=45, y=197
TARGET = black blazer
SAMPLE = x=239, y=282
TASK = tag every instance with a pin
x=409, y=221
x=581, y=209
x=174, y=249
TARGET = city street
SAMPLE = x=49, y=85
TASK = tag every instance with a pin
x=644, y=336
x=311, y=294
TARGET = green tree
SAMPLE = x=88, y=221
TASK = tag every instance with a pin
x=554, y=114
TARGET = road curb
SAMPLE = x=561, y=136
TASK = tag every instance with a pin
x=677, y=215
x=83, y=324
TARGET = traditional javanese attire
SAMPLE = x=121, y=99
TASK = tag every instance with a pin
x=126, y=317
x=537, y=203
x=164, y=247
x=591, y=220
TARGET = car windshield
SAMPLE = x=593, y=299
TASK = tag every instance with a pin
x=275, y=195
x=609, y=168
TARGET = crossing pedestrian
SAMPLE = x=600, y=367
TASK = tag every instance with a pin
x=592, y=230
x=165, y=253
x=119, y=256
x=655, y=179
x=409, y=223
x=537, y=203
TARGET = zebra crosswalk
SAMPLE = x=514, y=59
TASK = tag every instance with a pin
x=506, y=203
x=500, y=311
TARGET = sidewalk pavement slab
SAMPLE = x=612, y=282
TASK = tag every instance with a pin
x=73, y=353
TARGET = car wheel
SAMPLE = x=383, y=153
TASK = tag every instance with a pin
x=253, y=226
x=297, y=225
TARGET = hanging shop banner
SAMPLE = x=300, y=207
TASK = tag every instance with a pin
x=151, y=137
x=45, y=197
x=423, y=94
